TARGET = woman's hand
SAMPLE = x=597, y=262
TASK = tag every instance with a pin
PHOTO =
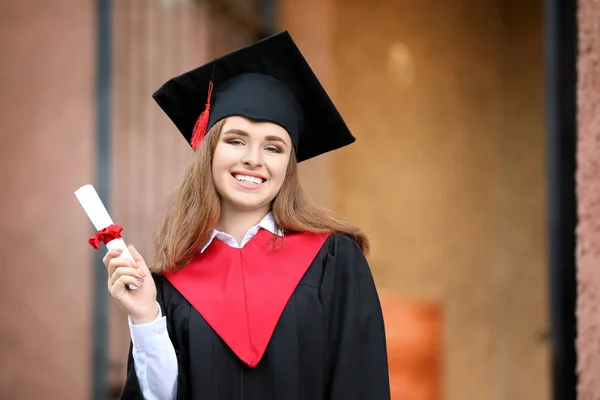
x=139, y=304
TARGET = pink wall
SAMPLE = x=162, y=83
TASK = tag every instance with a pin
x=46, y=152
x=588, y=193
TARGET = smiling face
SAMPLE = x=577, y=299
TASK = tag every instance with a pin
x=249, y=163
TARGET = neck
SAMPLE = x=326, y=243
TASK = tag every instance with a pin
x=237, y=222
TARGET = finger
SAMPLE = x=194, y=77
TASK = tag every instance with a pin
x=125, y=271
x=137, y=257
x=122, y=281
x=120, y=263
x=110, y=255
x=120, y=272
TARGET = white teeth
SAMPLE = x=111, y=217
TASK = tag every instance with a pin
x=249, y=179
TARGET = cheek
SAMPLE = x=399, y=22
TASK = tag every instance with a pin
x=219, y=165
x=222, y=159
x=278, y=171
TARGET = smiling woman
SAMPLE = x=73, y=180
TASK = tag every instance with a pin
x=256, y=293
x=256, y=156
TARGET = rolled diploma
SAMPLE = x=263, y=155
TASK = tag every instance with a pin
x=97, y=213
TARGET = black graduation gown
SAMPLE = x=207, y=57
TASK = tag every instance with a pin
x=329, y=343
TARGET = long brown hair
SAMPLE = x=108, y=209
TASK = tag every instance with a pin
x=195, y=208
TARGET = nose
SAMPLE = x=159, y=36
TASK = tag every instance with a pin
x=252, y=157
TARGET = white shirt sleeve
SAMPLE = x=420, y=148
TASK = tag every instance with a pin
x=154, y=359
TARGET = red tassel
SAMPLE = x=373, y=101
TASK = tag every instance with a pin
x=202, y=121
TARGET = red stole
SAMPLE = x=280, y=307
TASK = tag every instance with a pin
x=241, y=293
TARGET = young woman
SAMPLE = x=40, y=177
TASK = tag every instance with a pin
x=255, y=292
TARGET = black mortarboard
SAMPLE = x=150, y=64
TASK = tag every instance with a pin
x=267, y=81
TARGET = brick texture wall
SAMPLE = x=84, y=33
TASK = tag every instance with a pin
x=588, y=193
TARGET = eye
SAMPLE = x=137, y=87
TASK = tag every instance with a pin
x=235, y=142
x=273, y=149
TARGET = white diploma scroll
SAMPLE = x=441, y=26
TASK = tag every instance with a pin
x=95, y=210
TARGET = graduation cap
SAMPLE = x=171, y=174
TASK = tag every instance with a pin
x=269, y=80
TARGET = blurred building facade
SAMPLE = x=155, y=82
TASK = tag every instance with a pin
x=447, y=175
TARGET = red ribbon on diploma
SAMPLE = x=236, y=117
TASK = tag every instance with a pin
x=105, y=235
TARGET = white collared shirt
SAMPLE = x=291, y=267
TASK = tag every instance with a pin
x=153, y=353
x=268, y=223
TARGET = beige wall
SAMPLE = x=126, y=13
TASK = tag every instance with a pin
x=447, y=175
x=309, y=23
x=520, y=365
x=588, y=173
x=448, y=108
x=46, y=152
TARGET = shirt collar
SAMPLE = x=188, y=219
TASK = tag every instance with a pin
x=268, y=223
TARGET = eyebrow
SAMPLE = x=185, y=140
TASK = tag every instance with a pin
x=240, y=132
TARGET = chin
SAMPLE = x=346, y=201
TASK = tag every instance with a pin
x=246, y=205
